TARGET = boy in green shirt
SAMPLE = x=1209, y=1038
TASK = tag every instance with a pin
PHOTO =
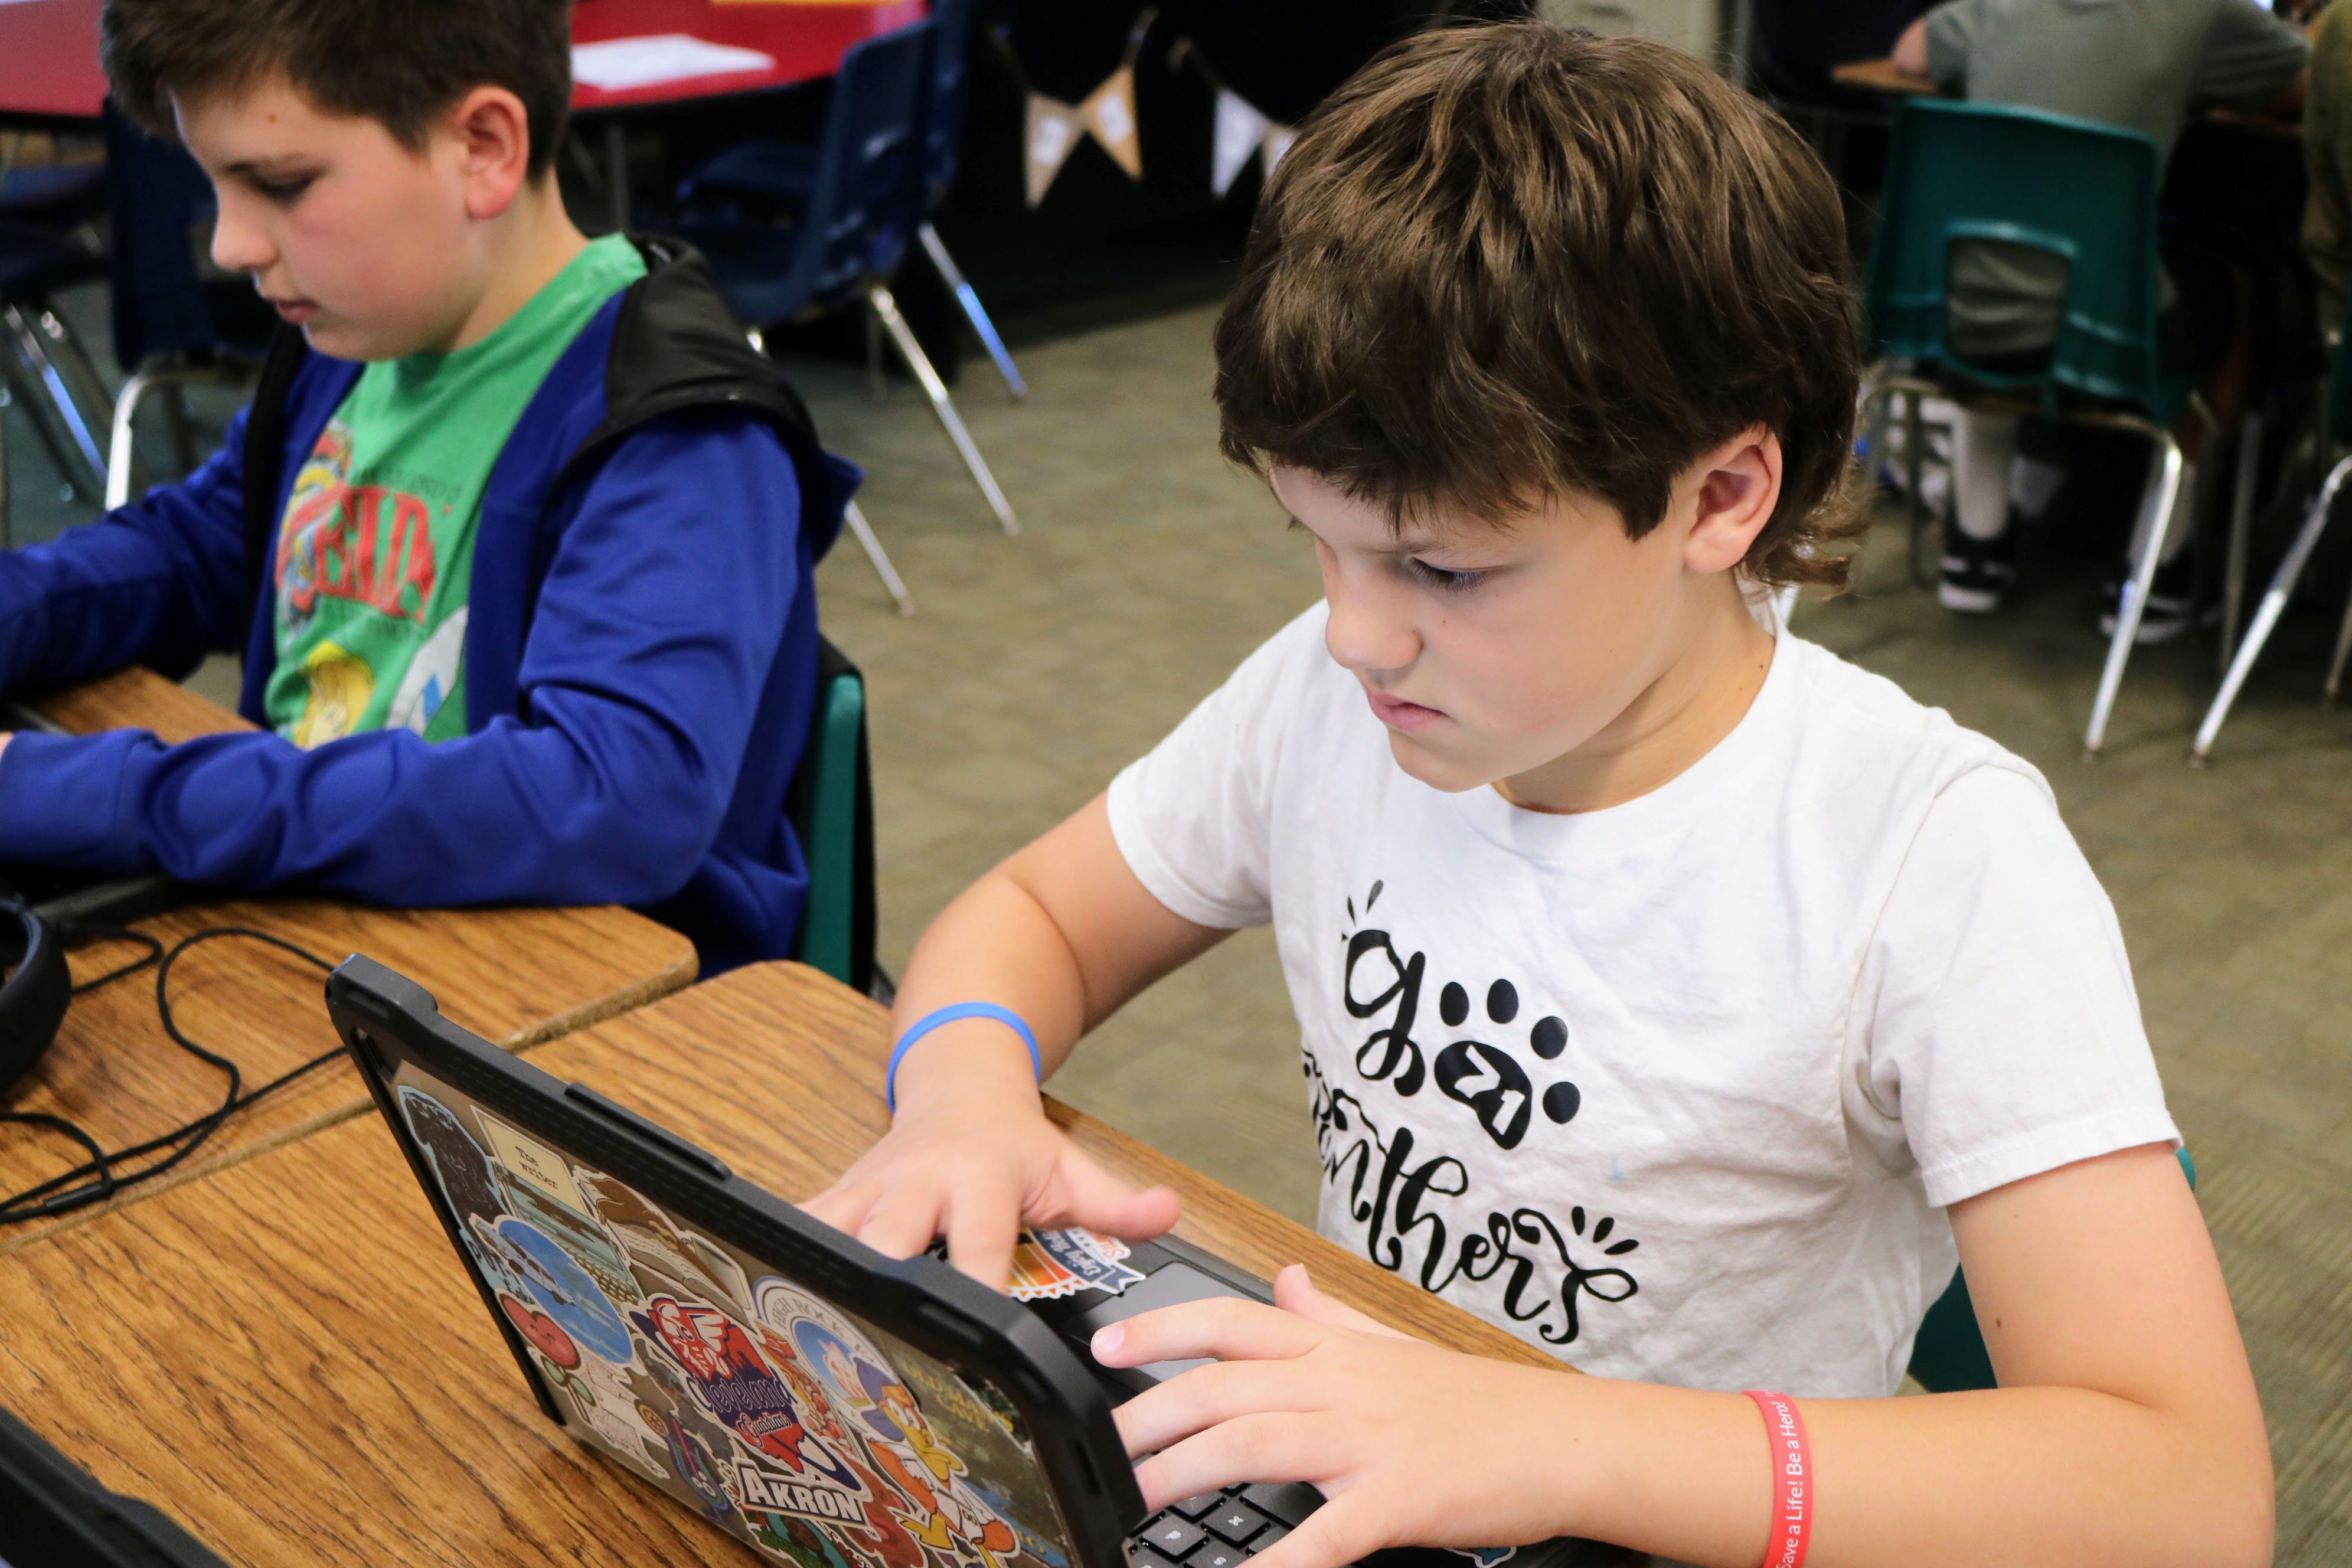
x=515, y=537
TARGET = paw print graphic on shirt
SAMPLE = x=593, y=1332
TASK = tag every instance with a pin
x=1489, y=1079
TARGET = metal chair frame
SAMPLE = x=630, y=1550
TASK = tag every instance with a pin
x=2266, y=618
x=46, y=370
x=171, y=380
x=2157, y=499
x=942, y=138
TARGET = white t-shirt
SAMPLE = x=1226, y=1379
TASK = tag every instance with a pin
x=1678, y=1090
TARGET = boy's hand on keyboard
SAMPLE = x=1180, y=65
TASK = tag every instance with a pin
x=972, y=1157
x=1413, y=1446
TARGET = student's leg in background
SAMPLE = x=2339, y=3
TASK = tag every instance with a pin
x=1979, y=556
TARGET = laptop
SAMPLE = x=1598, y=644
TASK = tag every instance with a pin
x=71, y=901
x=54, y=1515
x=827, y=1406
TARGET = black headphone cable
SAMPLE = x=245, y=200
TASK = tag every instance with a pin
x=95, y=1179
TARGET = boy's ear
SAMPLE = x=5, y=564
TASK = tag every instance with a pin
x=1731, y=492
x=493, y=134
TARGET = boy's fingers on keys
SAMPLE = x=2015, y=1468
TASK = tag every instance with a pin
x=1222, y=1327
x=1340, y=1531
x=1266, y=1446
x=1162, y=1417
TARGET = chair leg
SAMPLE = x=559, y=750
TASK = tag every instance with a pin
x=855, y=518
x=177, y=427
x=2335, y=663
x=120, y=448
x=1914, y=507
x=60, y=396
x=935, y=390
x=21, y=376
x=171, y=381
x=2165, y=486
x=2241, y=527
x=2266, y=616
x=965, y=295
x=73, y=359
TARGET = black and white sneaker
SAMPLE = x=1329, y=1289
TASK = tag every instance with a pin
x=1977, y=572
x=2172, y=607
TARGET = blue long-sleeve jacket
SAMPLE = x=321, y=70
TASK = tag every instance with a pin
x=640, y=653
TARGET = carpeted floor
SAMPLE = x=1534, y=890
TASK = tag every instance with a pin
x=1039, y=664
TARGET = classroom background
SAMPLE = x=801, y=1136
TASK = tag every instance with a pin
x=1060, y=563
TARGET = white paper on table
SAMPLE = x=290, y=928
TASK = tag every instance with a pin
x=617, y=64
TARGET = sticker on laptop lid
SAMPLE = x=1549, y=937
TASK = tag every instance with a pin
x=457, y=1161
x=735, y=1385
x=689, y=1265
x=535, y=1162
x=1048, y=1264
x=564, y=1291
x=542, y=1332
x=573, y=1230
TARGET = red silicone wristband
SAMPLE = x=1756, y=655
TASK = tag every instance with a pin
x=1792, y=1480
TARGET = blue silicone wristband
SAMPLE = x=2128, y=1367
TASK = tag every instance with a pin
x=956, y=1013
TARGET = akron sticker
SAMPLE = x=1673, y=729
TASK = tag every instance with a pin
x=757, y=1489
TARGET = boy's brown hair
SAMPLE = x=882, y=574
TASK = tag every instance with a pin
x=1507, y=262
x=397, y=62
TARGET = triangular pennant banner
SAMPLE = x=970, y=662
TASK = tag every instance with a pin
x=1055, y=128
x=1110, y=113
x=1278, y=138
x=1240, y=130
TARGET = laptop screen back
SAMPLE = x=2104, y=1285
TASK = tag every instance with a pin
x=818, y=1437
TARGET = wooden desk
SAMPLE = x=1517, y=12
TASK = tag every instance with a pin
x=516, y=976
x=288, y=1357
x=138, y=698
x=54, y=79
x=1884, y=76
x=806, y=38
x=1881, y=76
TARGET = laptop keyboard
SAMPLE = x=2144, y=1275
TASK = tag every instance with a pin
x=1219, y=1529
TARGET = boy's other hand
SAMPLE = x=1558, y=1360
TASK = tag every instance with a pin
x=972, y=1157
x=1411, y=1444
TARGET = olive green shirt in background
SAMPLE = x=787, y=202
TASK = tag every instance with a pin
x=375, y=553
x=2327, y=148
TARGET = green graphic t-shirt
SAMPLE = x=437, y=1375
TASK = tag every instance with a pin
x=375, y=553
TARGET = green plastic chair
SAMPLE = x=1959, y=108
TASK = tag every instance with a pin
x=831, y=807
x=2085, y=191
x=1949, y=1354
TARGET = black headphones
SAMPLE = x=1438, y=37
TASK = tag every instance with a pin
x=32, y=999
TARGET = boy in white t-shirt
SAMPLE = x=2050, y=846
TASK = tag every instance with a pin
x=1671, y=992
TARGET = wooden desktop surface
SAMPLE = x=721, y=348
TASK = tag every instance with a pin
x=288, y=1358
x=1881, y=76
x=513, y=975
x=1884, y=76
x=54, y=78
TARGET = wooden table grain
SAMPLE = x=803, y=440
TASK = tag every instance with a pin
x=288, y=1358
x=138, y=698
x=518, y=976
x=1881, y=76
